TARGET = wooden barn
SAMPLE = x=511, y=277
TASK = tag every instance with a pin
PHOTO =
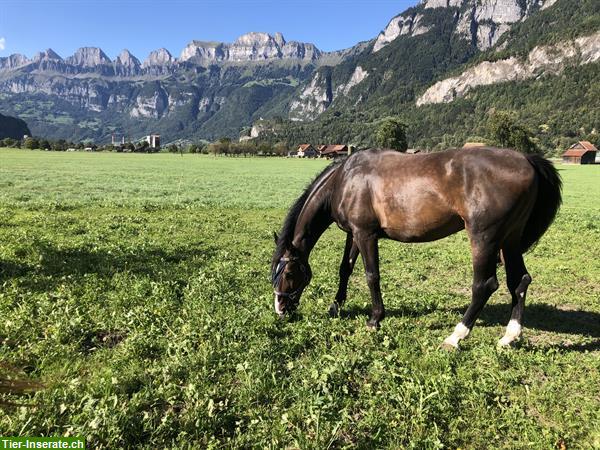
x=583, y=152
x=307, y=151
x=333, y=151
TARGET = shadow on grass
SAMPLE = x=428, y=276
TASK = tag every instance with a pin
x=585, y=324
x=79, y=261
x=14, y=383
x=55, y=263
x=548, y=318
x=352, y=312
x=545, y=318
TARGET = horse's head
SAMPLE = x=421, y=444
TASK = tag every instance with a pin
x=291, y=274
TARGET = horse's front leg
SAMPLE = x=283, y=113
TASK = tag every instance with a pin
x=370, y=254
x=346, y=268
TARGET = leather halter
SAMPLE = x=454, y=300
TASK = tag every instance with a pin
x=279, y=272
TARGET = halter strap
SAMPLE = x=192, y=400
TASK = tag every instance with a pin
x=279, y=272
x=287, y=294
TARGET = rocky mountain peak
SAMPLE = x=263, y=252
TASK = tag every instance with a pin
x=126, y=64
x=88, y=57
x=49, y=54
x=254, y=46
x=126, y=59
x=13, y=61
x=279, y=39
x=160, y=57
x=254, y=38
x=441, y=3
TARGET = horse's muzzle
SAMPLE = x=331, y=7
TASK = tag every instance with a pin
x=284, y=306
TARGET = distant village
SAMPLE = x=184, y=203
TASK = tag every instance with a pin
x=582, y=152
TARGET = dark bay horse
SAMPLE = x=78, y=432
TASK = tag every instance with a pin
x=505, y=200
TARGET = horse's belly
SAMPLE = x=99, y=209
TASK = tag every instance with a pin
x=425, y=232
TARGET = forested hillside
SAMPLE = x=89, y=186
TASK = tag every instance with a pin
x=11, y=127
x=557, y=106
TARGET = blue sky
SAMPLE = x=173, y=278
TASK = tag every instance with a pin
x=27, y=26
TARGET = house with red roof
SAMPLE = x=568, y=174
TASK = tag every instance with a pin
x=333, y=151
x=583, y=152
x=307, y=151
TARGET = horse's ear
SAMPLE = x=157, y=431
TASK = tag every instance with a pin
x=275, y=237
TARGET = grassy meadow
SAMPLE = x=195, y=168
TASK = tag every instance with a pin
x=137, y=312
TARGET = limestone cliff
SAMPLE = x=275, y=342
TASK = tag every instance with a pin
x=249, y=47
x=480, y=21
x=408, y=24
x=314, y=99
x=541, y=60
x=127, y=65
x=88, y=57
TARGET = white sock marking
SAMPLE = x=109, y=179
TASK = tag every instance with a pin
x=513, y=331
x=460, y=333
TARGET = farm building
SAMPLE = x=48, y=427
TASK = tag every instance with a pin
x=333, y=151
x=153, y=140
x=307, y=151
x=583, y=152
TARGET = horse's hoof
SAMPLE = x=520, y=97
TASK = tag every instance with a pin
x=506, y=343
x=372, y=325
x=446, y=346
x=334, y=310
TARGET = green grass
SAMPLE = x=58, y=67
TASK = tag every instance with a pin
x=135, y=289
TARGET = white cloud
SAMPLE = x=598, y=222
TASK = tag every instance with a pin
x=2, y=44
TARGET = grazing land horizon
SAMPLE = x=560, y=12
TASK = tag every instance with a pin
x=135, y=299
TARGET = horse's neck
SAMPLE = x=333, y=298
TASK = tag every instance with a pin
x=312, y=222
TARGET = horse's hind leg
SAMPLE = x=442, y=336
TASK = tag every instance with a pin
x=370, y=254
x=346, y=268
x=485, y=284
x=518, y=281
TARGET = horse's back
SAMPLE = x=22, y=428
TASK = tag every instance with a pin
x=424, y=197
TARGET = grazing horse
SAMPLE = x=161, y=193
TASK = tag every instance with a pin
x=504, y=199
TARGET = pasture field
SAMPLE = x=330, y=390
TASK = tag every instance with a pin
x=136, y=311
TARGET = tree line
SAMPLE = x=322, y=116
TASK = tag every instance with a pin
x=221, y=147
x=502, y=129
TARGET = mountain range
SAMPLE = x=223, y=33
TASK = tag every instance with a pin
x=441, y=65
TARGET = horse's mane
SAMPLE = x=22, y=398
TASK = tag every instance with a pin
x=286, y=235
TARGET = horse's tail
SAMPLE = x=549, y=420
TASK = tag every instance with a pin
x=546, y=204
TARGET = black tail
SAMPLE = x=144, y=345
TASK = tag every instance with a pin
x=546, y=204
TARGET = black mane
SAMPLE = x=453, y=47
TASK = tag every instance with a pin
x=289, y=224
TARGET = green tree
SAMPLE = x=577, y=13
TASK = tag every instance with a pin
x=60, y=145
x=391, y=133
x=280, y=149
x=8, y=142
x=31, y=143
x=506, y=132
x=142, y=146
x=499, y=127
